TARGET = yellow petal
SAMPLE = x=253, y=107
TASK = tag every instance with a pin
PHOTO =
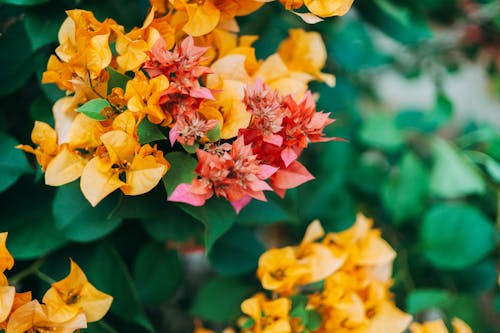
x=231, y=67
x=251, y=307
x=125, y=122
x=134, y=56
x=6, y=259
x=375, y=251
x=272, y=68
x=201, y=18
x=95, y=184
x=98, y=54
x=57, y=310
x=66, y=167
x=459, y=326
x=120, y=146
x=45, y=136
x=64, y=114
x=327, y=8
x=313, y=232
x=25, y=317
x=7, y=294
x=143, y=175
x=389, y=319
x=85, y=133
x=94, y=303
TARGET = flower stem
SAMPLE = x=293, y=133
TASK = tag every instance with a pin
x=27, y=271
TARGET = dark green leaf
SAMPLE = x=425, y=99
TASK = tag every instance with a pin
x=453, y=175
x=23, y=2
x=13, y=162
x=181, y=170
x=455, y=236
x=404, y=194
x=77, y=219
x=116, y=79
x=263, y=213
x=149, y=132
x=157, y=273
x=191, y=149
x=93, y=108
x=42, y=25
x=41, y=109
x=210, y=305
x=236, y=252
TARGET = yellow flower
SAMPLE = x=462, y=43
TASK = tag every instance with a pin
x=6, y=259
x=438, y=326
x=305, y=52
x=33, y=317
x=327, y=8
x=73, y=295
x=270, y=316
x=46, y=138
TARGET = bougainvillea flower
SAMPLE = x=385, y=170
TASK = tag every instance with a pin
x=74, y=294
x=7, y=295
x=328, y=8
x=6, y=259
x=438, y=326
x=33, y=317
x=389, y=319
x=269, y=316
x=305, y=52
x=235, y=175
x=46, y=138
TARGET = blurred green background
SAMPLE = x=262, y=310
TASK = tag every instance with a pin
x=417, y=98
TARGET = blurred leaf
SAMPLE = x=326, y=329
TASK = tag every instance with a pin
x=149, y=132
x=476, y=279
x=216, y=214
x=369, y=172
x=455, y=236
x=13, y=162
x=107, y=271
x=41, y=109
x=77, y=219
x=93, y=108
x=99, y=327
x=379, y=130
x=23, y=2
x=157, y=273
x=15, y=59
x=399, y=22
x=236, y=252
x=42, y=25
x=214, y=134
x=116, y=79
x=493, y=169
x=174, y=225
x=181, y=170
x=453, y=175
x=263, y=213
x=423, y=299
x=404, y=194
x=27, y=217
x=209, y=305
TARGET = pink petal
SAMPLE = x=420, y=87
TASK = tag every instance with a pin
x=239, y=204
x=182, y=193
x=293, y=176
x=288, y=155
x=266, y=171
x=274, y=139
x=172, y=135
x=201, y=92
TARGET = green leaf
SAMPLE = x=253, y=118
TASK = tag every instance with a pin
x=16, y=58
x=216, y=214
x=380, y=131
x=41, y=109
x=93, y=108
x=423, y=299
x=181, y=170
x=236, y=253
x=453, y=175
x=219, y=300
x=214, y=134
x=157, y=273
x=32, y=232
x=116, y=79
x=191, y=149
x=149, y=132
x=42, y=25
x=99, y=327
x=476, y=279
x=455, y=236
x=107, y=271
x=13, y=162
x=404, y=194
x=77, y=219
x=493, y=169
x=174, y=225
x=314, y=320
x=23, y=2
x=263, y=213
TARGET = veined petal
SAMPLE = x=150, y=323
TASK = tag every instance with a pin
x=66, y=167
x=6, y=259
x=201, y=18
x=327, y=8
x=94, y=303
x=7, y=294
x=143, y=175
x=95, y=184
x=120, y=145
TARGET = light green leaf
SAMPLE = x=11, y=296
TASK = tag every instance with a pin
x=23, y=2
x=453, y=175
x=379, y=130
x=93, y=108
x=214, y=134
x=423, y=299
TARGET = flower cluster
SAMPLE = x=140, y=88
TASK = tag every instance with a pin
x=67, y=306
x=186, y=77
x=338, y=282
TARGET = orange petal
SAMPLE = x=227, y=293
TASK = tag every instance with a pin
x=6, y=259
x=327, y=8
x=120, y=145
x=95, y=184
x=7, y=295
x=459, y=326
x=389, y=319
x=201, y=18
x=66, y=167
x=94, y=303
x=143, y=175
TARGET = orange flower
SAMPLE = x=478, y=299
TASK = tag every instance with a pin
x=33, y=317
x=6, y=259
x=67, y=298
x=270, y=316
x=438, y=326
